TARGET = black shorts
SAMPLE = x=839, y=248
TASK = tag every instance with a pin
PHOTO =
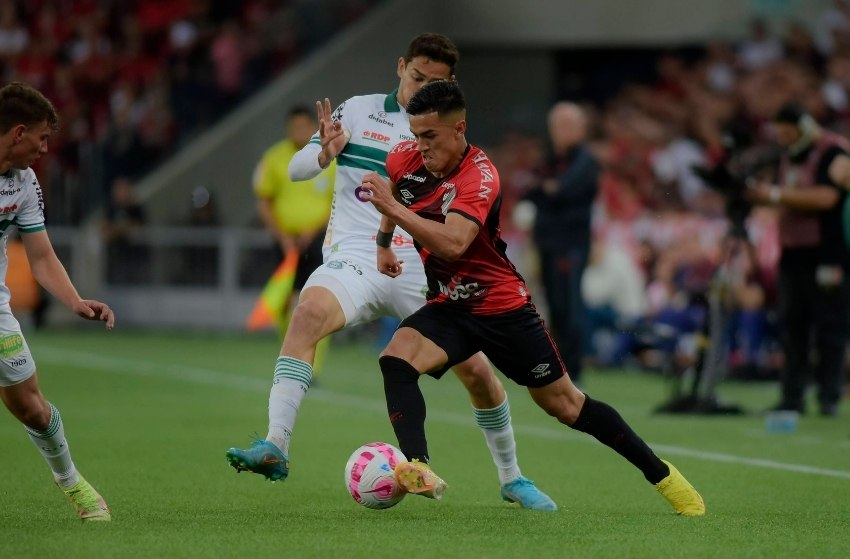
x=517, y=342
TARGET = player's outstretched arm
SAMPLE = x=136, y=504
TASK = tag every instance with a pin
x=50, y=273
x=313, y=158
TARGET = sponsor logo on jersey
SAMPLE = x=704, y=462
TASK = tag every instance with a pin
x=40, y=198
x=483, y=163
x=9, y=191
x=376, y=136
x=337, y=114
x=341, y=264
x=8, y=209
x=381, y=117
x=417, y=178
x=11, y=344
x=457, y=290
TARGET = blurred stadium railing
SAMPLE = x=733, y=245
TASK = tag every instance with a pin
x=170, y=276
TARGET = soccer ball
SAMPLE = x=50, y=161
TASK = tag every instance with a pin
x=369, y=475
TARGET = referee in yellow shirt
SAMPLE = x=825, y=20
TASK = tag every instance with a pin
x=296, y=213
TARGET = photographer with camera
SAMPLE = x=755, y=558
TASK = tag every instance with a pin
x=814, y=289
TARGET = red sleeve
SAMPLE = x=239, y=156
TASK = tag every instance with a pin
x=398, y=159
x=477, y=189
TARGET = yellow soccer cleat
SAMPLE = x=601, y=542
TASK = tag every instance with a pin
x=87, y=501
x=418, y=478
x=681, y=494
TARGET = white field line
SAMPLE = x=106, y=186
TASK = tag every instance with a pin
x=134, y=367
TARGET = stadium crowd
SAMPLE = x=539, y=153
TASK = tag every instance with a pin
x=659, y=231
x=134, y=80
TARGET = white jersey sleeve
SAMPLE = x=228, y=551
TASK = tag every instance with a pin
x=304, y=165
x=30, y=211
x=21, y=205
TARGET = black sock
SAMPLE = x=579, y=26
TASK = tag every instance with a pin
x=601, y=421
x=406, y=406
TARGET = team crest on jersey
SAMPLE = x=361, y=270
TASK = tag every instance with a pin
x=448, y=198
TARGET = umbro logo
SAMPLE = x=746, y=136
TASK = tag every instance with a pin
x=540, y=370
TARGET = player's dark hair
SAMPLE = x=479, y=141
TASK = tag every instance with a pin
x=23, y=104
x=301, y=110
x=434, y=46
x=442, y=97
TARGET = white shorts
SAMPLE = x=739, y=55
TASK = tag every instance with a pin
x=16, y=363
x=364, y=293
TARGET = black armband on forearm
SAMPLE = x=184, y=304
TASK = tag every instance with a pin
x=383, y=240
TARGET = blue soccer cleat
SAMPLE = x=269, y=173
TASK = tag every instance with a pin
x=263, y=458
x=523, y=491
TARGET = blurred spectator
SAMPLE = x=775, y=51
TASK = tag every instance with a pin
x=127, y=260
x=614, y=292
x=564, y=197
x=814, y=270
x=745, y=299
x=761, y=48
x=832, y=26
x=14, y=37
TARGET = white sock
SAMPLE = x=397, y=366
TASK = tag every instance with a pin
x=52, y=445
x=291, y=381
x=495, y=423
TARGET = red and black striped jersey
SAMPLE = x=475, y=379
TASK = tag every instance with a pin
x=482, y=279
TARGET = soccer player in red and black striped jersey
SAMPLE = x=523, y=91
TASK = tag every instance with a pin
x=445, y=193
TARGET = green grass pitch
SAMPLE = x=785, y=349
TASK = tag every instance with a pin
x=149, y=416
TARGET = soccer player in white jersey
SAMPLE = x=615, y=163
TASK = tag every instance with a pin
x=349, y=290
x=27, y=120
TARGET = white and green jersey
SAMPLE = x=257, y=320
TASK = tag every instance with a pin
x=376, y=123
x=21, y=205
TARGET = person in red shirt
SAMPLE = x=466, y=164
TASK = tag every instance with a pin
x=446, y=195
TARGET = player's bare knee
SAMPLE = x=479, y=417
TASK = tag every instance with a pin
x=561, y=400
x=480, y=381
x=308, y=321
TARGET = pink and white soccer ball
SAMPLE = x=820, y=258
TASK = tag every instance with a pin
x=369, y=475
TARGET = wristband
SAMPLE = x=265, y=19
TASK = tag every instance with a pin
x=383, y=240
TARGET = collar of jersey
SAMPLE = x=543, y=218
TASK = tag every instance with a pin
x=391, y=102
